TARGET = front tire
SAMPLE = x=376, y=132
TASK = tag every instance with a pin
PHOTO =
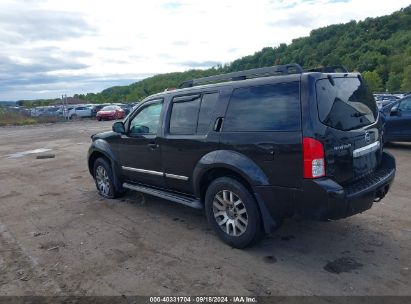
x=104, y=178
x=233, y=213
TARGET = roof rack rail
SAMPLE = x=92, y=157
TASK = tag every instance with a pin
x=247, y=74
x=329, y=69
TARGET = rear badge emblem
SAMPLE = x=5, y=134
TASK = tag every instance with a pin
x=342, y=147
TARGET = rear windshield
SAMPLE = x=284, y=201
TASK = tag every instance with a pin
x=345, y=103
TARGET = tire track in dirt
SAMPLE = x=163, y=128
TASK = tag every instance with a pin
x=20, y=274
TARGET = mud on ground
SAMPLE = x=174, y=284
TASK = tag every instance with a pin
x=57, y=236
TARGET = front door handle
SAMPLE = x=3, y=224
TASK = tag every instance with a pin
x=153, y=146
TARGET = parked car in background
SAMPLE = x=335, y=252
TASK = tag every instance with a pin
x=385, y=100
x=98, y=107
x=79, y=112
x=110, y=113
x=127, y=108
x=50, y=112
x=37, y=111
x=397, y=118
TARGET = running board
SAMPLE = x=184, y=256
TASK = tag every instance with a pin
x=177, y=198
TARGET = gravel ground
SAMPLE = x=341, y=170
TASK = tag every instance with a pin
x=57, y=236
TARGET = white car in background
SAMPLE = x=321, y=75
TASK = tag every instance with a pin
x=78, y=112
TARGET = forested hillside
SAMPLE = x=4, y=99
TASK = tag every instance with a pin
x=380, y=48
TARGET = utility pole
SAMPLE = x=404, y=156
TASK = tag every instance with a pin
x=64, y=102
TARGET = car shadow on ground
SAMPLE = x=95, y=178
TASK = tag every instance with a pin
x=344, y=245
x=405, y=146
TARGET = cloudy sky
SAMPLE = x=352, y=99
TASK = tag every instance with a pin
x=54, y=47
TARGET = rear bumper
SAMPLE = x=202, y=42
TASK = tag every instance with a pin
x=324, y=199
x=113, y=116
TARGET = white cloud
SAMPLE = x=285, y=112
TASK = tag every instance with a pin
x=88, y=40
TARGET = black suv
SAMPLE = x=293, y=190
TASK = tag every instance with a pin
x=252, y=148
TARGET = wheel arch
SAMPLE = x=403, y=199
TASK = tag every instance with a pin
x=93, y=157
x=239, y=167
x=231, y=162
x=101, y=148
x=216, y=172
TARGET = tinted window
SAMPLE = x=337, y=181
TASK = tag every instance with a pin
x=345, y=103
x=208, y=104
x=147, y=120
x=184, y=115
x=264, y=108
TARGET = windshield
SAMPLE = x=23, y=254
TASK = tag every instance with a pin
x=109, y=108
x=345, y=103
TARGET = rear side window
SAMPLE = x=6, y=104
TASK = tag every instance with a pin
x=273, y=107
x=192, y=114
x=345, y=103
x=184, y=115
x=208, y=104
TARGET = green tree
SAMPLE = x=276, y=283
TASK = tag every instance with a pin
x=394, y=82
x=406, y=82
x=373, y=80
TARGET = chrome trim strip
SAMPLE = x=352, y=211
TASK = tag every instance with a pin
x=142, y=171
x=366, y=149
x=181, y=177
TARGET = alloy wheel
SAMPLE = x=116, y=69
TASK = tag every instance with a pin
x=230, y=213
x=102, y=179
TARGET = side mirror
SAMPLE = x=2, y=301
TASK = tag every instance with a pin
x=118, y=127
x=394, y=111
x=140, y=129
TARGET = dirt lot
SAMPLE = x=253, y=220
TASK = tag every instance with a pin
x=57, y=236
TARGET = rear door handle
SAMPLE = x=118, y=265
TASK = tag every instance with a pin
x=218, y=124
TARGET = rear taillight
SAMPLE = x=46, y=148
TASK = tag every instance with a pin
x=314, y=163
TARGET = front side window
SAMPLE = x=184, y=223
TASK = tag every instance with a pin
x=147, y=120
x=273, y=107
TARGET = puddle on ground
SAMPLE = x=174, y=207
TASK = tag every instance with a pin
x=24, y=153
x=270, y=259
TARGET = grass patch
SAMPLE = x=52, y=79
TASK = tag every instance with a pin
x=18, y=119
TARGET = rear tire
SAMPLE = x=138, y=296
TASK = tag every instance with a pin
x=104, y=179
x=233, y=213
